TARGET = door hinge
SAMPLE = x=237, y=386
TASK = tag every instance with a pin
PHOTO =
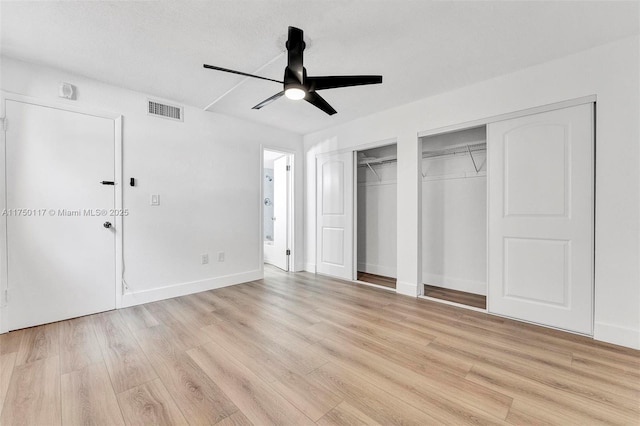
x=288, y=252
x=288, y=168
x=3, y=123
x=6, y=296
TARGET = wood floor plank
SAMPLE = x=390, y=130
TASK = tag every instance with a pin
x=259, y=403
x=33, y=397
x=199, y=398
x=377, y=279
x=138, y=317
x=7, y=363
x=554, y=376
x=127, y=364
x=38, y=343
x=447, y=397
x=528, y=413
x=464, y=298
x=183, y=333
x=392, y=332
x=78, y=345
x=150, y=404
x=346, y=414
x=236, y=419
x=265, y=339
x=263, y=365
x=419, y=360
x=10, y=342
x=88, y=397
x=381, y=406
x=556, y=400
x=310, y=398
x=605, y=371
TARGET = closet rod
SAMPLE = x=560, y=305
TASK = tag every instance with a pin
x=375, y=163
x=435, y=154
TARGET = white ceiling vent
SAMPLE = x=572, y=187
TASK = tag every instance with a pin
x=166, y=111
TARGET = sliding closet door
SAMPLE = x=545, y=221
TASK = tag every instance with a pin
x=334, y=206
x=541, y=223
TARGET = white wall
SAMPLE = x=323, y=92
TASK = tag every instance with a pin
x=454, y=233
x=377, y=220
x=207, y=172
x=611, y=72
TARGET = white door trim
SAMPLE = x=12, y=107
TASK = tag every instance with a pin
x=118, y=203
x=292, y=207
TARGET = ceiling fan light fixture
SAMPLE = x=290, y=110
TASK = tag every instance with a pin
x=295, y=93
x=296, y=84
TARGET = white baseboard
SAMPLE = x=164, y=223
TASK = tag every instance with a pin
x=182, y=289
x=617, y=335
x=385, y=271
x=468, y=286
x=310, y=267
x=408, y=289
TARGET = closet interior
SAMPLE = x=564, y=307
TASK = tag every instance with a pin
x=376, y=215
x=454, y=216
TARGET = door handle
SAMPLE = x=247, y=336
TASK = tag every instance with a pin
x=107, y=225
x=108, y=182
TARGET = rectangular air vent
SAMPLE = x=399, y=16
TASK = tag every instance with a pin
x=163, y=110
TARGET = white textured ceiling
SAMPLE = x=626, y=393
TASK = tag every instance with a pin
x=420, y=47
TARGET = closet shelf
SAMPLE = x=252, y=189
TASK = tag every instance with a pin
x=463, y=149
x=366, y=161
x=470, y=149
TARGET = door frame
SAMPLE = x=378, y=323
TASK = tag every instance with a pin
x=118, y=187
x=354, y=150
x=290, y=209
x=357, y=149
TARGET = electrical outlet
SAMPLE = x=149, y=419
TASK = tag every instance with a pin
x=204, y=258
x=221, y=256
x=155, y=199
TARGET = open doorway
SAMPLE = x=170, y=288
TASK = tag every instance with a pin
x=454, y=217
x=277, y=205
x=376, y=216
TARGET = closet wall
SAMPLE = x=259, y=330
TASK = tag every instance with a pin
x=454, y=211
x=377, y=211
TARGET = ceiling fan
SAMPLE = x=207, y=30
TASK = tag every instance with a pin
x=297, y=85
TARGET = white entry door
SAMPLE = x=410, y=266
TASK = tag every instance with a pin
x=541, y=223
x=278, y=256
x=61, y=257
x=334, y=180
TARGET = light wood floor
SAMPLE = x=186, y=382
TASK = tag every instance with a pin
x=300, y=349
x=461, y=297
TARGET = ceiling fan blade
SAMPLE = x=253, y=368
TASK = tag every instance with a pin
x=269, y=100
x=212, y=67
x=295, y=47
x=316, y=100
x=333, y=82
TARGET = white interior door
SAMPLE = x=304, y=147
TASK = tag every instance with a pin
x=279, y=255
x=541, y=224
x=334, y=180
x=61, y=258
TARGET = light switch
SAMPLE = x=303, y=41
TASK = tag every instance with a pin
x=155, y=199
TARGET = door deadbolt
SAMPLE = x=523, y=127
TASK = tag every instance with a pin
x=107, y=225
